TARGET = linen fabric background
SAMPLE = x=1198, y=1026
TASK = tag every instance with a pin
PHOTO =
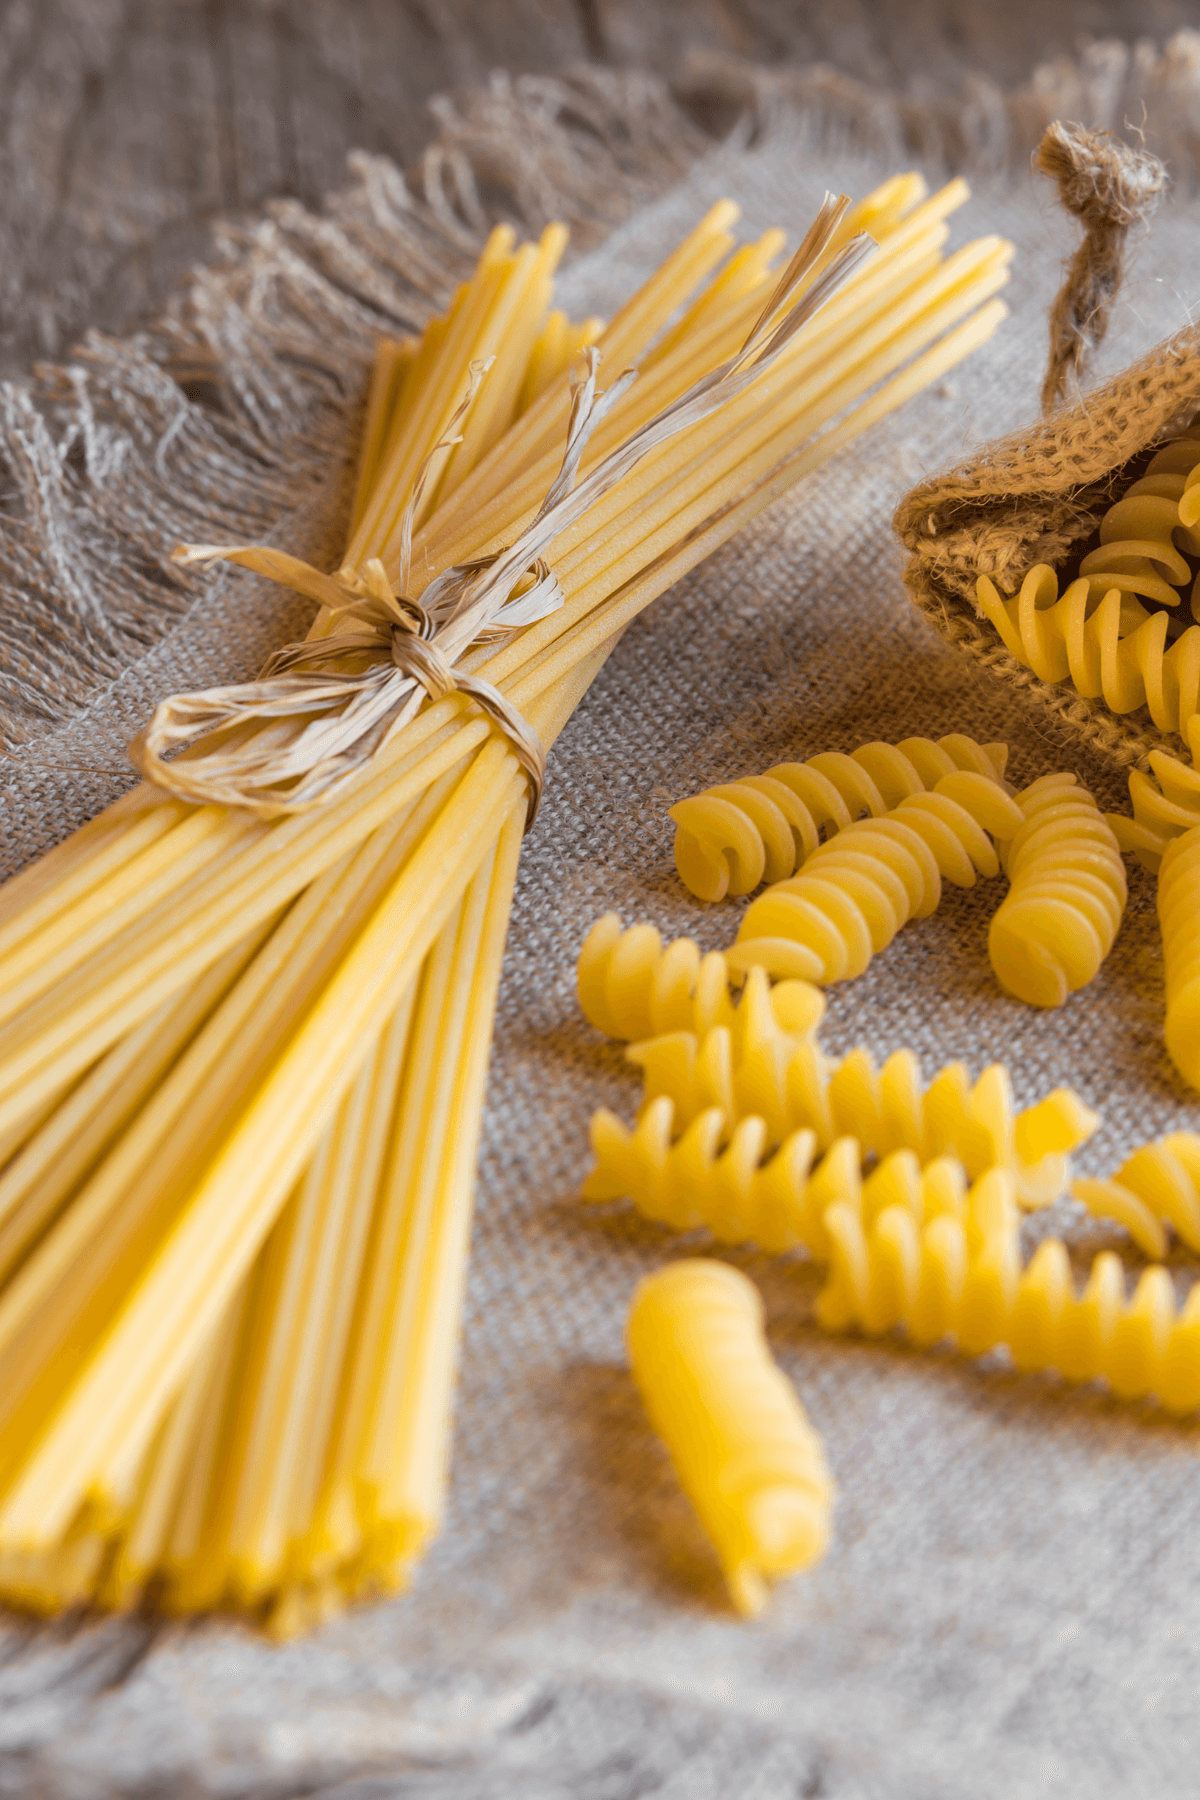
x=1010, y=1603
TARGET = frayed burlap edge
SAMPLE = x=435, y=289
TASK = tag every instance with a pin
x=234, y=416
x=1032, y=498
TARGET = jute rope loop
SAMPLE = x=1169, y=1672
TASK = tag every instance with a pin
x=330, y=704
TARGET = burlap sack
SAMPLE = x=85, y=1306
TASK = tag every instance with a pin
x=1034, y=497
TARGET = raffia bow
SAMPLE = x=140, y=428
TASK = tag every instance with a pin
x=321, y=709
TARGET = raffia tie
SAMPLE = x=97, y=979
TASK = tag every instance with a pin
x=322, y=709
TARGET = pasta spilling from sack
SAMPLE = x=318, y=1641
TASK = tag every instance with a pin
x=763, y=827
x=746, y=1455
x=243, y=1040
x=1098, y=635
x=1066, y=895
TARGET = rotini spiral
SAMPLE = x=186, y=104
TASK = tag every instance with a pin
x=1099, y=635
x=1066, y=896
x=630, y=987
x=745, y=1453
x=1159, y=1181
x=1166, y=802
x=929, y=1278
x=792, y=1087
x=762, y=827
x=856, y=890
x=1179, y=921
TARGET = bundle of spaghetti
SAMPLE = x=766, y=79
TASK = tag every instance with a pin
x=1066, y=896
x=113, y=892
x=1179, y=922
x=746, y=1455
x=762, y=827
x=1099, y=636
x=131, y=916
x=857, y=889
x=788, y=1083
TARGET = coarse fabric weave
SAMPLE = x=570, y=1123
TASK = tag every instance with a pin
x=1009, y=1603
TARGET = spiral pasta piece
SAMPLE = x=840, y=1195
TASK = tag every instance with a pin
x=1179, y=922
x=1166, y=802
x=631, y=987
x=762, y=827
x=1161, y=1180
x=791, y=1086
x=930, y=1280
x=857, y=889
x=744, y=1451
x=1098, y=635
x=1066, y=896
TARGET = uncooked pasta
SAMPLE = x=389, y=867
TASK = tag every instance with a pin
x=1165, y=801
x=790, y=1085
x=762, y=827
x=1179, y=921
x=1159, y=1182
x=746, y=1455
x=631, y=987
x=1098, y=635
x=1066, y=896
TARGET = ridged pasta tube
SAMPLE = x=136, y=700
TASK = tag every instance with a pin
x=1098, y=635
x=792, y=1087
x=1066, y=897
x=762, y=827
x=746, y=1455
x=930, y=1279
x=856, y=890
x=1166, y=802
x=631, y=987
x=1179, y=921
x=1161, y=1180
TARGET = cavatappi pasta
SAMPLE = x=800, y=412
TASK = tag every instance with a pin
x=1098, y=635
x=746, y=1455
x=763, y=827
x=1066, y=896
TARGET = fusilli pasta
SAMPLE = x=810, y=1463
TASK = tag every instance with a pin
x=1159, y=1181
x=856, y=890
x=1066, y=896
x=1098, y=635
x=1166, y=802
x=1179, y=920
x=631, y=987
x=746, y=1455
x=792, y=1086
x=762, y=827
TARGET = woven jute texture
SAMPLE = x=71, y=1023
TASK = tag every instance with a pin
x=1009, y=1604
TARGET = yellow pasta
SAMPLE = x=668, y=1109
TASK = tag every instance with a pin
x=630, y=987
x=1066, y=896
x=857, y=889
x=1166, y=802
x=1161, y=1180
x=1179, y=921
x=959, y=1278
x=791, y=1086
x=746, y=1455
x=1099, y=635
x=762, y=827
